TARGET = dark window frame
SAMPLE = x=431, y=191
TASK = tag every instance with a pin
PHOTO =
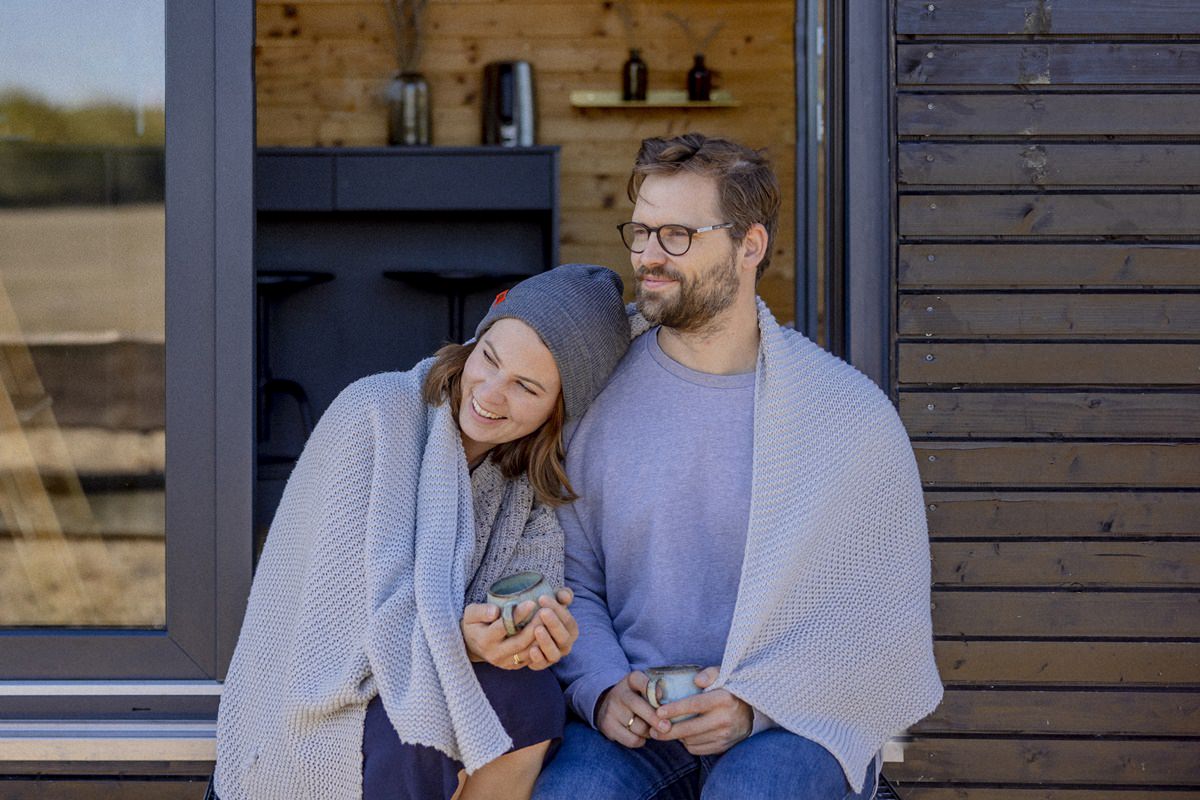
x=859, y=196
x=209, y=375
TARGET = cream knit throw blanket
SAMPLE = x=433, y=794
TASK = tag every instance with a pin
x=380, y=536
x=831, y=635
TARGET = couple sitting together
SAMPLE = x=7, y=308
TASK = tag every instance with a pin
x=731, y=497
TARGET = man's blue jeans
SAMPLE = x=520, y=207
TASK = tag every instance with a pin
x=771, y=765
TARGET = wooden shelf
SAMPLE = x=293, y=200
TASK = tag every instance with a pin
x=660, y=99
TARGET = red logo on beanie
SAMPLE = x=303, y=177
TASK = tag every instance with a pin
x=500, y=298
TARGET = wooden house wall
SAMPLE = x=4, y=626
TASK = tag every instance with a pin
x=321, y=66
x=1047, y=365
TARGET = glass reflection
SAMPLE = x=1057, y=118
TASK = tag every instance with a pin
x=82, y=273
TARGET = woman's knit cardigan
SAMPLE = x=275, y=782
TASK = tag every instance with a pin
x=379, y=537
x=831, y=633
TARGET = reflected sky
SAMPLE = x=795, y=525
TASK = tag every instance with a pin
x=74, y=52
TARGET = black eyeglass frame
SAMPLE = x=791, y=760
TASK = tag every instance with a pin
x=656, y=231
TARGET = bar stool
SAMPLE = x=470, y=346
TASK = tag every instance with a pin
x=272, y=285
x=454, y=285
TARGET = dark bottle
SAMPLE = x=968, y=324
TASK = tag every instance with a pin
x=633, y=77
x=699, y=80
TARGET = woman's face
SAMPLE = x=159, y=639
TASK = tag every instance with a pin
x=510, y=386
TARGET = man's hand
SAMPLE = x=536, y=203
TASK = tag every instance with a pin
x=624, y=715
x=542, y=642
x=723, y=721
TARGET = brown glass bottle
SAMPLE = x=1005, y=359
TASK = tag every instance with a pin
x=633, y=77
x=699, y=80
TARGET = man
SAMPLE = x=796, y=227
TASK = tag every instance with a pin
x=748, y=503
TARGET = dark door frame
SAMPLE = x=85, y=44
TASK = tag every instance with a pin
x=209, y=375
x=860, y=211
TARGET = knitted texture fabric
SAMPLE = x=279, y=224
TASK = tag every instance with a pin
x=831, y=634
x=380, y=537
x=578, y=312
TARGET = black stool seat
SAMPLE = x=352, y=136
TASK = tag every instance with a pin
x=455, y=285
x=278, y=282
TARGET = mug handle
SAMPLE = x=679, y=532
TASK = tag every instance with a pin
x=652, y=691
x=506, y=613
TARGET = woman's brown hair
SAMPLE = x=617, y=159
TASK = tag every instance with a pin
x=539, y=454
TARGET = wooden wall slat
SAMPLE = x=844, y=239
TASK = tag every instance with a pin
x=1039, y=464
x=1060, y=364
x=543, y=20
x=1049, y=215
x=1067, y=564
x=1048, y=164
x=922, y=18
x=1040, y=414
x=1001, y=514
x=1058, y=114
x=998, y=266
x=1101, y=316
x=1035, y=63
x=1052, y=761
x=1134, y=615
x=916, y=792
x=1017, y=663
x=1065, y=712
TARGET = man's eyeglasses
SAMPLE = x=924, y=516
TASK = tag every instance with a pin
x=673, y=239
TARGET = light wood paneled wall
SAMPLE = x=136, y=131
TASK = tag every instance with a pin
x=322, y=64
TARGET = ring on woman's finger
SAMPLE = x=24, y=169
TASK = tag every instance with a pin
x=629, y=725
x=516, y=659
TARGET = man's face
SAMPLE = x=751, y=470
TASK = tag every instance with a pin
x=687, y=292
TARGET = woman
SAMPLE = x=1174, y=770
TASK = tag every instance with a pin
x=358, y=671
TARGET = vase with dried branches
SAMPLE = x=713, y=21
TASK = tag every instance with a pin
x=699, y=77
x=409, y=117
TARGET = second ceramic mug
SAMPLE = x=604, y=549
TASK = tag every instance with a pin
x=676, y=682
x=510, y=592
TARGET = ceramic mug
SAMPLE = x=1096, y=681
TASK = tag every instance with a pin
x=675, y=682
x=510, y=592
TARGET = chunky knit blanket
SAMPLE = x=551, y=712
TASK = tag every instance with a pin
x=831, y=634
x=380, y=537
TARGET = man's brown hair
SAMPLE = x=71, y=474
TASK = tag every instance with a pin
x=747, y=189
x=540, y=454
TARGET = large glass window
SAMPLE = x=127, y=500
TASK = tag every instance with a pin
x=82, y=286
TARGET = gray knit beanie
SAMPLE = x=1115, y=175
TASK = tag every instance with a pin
x=578, y=312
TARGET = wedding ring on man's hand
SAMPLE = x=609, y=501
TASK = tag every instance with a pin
x=629, y=725
x=517, y=659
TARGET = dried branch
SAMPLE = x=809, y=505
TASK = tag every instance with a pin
x=625, y=12
x=698, y=45
x=407, y=17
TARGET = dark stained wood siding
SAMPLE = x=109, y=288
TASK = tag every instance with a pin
x=1046, y=347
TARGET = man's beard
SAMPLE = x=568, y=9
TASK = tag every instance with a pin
x=697, y=301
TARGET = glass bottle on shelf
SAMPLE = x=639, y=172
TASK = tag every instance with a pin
x=408, y=110
x=633, y=77
x=699, y=80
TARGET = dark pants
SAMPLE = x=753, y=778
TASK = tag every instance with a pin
x=529, y=704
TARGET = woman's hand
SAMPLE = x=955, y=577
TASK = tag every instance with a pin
x=545, y=640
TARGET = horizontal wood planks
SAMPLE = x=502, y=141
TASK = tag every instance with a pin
x=1047, y=366
x=1044, y=114
x=321, y=69
x=1006, y=265
x=1057, y=665
x=1129, y=713
x=1050, y=414
x=1049, y=761
x=1066, y=565
x=1046, y=17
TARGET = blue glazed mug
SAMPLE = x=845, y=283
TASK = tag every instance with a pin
x=668, y=684
x=508, y=593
